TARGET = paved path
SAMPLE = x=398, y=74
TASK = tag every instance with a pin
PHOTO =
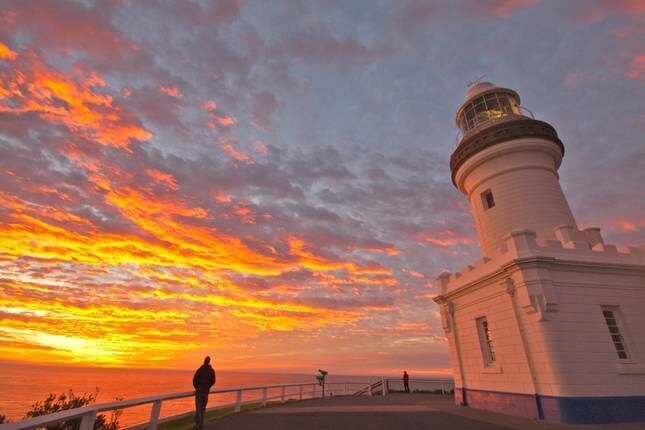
x=395, y=411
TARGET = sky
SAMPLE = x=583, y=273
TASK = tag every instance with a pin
x=268, y=182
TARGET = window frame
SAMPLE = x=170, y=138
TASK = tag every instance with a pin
x=485, y=203
x=486, y=341
x=622, y=333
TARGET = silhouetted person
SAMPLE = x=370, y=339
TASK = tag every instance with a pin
x=406, y=381
x=203, y=380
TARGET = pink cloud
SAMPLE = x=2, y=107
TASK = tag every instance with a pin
x=419, y=11
x=171, y=91
x=320, y=47
x=209, y=105
x=506, y=8
x=637, y=67
x=260, y=148
x=592, y=11
x=67, y=26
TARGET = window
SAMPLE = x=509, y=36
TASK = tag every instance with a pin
x=611, y=313
x=487, y=199
x=485, y=341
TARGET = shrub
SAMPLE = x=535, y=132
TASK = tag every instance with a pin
x=65, y=401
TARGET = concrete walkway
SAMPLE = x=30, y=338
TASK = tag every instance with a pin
x=395, y=411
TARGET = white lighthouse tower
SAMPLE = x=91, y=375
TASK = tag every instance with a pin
x=550, y=323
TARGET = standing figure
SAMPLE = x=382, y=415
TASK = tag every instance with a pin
x=203, y=380
x=406, y=381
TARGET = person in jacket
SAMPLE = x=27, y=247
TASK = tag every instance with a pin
x=406, y=381
x=203, y=380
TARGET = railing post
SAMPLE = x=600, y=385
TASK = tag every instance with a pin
x=282, y=393
x=238, y=401
x=369, y=388
x=443, y=390
x=384, y=386
x=154, y=415
x=345, y=390
x=87, y=422
x=301, y=392
x=264, y=397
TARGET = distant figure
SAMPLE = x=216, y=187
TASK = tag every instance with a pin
x=203, y=380
x=406, y=381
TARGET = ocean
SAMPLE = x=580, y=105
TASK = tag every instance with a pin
x=22, y=385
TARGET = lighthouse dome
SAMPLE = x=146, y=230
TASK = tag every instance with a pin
x=479, y=87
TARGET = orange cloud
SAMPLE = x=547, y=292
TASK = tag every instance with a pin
x=102, y=268
x=222, y=197
x=234, y=153
x=626, y=224
x=6, y=53
x=245, y=213
x=225, y=121
x=163, y=178
x=446, y=238
x=414, y=273
x=76, y=103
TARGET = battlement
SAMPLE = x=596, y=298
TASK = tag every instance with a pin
x=572, y=245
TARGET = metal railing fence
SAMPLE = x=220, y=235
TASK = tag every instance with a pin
x=88, y=414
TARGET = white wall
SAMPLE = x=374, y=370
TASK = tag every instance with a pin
x=522, y=175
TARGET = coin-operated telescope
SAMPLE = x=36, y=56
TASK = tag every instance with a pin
x=321, y=380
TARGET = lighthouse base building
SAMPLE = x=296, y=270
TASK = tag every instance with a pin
x=550, y=324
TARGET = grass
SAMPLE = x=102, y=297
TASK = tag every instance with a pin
x=188, y=422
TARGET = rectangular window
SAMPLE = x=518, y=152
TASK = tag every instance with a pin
x=485, y=341
x=487, y=199
x=611, y=319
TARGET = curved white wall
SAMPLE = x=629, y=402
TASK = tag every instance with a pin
x=522, y=175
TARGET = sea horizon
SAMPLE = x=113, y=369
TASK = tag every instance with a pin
x=440, y=373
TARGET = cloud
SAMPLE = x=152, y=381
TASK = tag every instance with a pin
x=77, y=103
x=637, y=67
x=264, y=105
x=318, y=46
x=6, y=53
x=66, y=26
x=197, y=172
x=170, y=91
x=416, y=12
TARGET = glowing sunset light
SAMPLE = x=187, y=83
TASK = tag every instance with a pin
x=271, y=185
x=6, y=53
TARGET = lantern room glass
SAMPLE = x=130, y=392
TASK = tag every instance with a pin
x=488, y=107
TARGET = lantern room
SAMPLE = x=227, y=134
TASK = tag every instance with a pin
x=486, y=103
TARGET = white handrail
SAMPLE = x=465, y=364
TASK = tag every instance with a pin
x=88, y=413
x=383, y=384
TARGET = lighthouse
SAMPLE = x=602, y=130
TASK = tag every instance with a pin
x=507, y=165
x=549, y=322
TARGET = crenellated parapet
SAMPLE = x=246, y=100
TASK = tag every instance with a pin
x=571, y=245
